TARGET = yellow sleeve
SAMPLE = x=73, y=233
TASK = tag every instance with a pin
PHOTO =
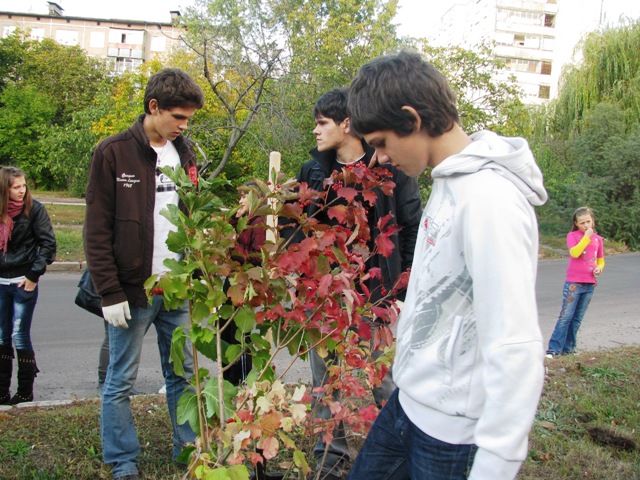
x=600, y=263
x=577, y=250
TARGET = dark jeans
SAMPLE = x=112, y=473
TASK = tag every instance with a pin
x=396, y=449
x=16, y=313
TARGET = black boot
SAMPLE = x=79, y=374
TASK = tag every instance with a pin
x=27, y=372
x=6, y=370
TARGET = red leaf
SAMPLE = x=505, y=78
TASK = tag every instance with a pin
x=368, y=413
x=323, y=286
x=348, y=193
x=269, y=447
x=338, y=212
x=384, y=244
x=369, y=196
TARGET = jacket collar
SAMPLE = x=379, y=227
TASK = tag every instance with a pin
x=181, y=143
x=327, y=158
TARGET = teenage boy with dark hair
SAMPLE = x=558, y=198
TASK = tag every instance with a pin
x=125, y=243
x=336, y=148
x=469, y=353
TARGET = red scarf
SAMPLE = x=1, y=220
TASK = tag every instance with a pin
x=15, y=208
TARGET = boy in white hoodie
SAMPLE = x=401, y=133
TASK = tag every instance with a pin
x=469, y=358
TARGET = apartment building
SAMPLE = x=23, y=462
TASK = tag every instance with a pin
x=125, y=44
x=535, y=38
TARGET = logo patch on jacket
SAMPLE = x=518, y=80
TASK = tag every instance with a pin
x=128, y=180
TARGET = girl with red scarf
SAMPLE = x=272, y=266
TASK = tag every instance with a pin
x=27, y=246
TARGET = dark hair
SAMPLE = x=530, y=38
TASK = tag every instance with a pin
x=333, y=105
x=385, y=85
x=171, y=87
x=7, y=176
x=579, y=213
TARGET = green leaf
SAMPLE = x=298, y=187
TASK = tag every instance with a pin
x=188, y=410
x=232, y=352
x=178, y=342
x=211, y=395
x=245, y=319
x=300, y=460
x=238, y=472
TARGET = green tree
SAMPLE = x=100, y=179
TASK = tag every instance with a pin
x=25, y=115
x=327, y=42
x=591, y=148
x=607, y=157
x=267, y=62
x=43, y=85
x=609, y=71
x=484, y=102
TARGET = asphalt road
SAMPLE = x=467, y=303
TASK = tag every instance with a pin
x=67, y=339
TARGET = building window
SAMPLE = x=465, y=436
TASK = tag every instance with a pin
x=130, y=37
x=37, y=34
x=518, y=40
x=121, y=65
x=516, y=17
x=96, y=40
x=67, y=37
x=545, y=68
x=549, y=20
x=521, y=65
x=544, y=92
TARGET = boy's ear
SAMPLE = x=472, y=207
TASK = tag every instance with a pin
x=153, y=106
x=414, y=113
x=347, y=125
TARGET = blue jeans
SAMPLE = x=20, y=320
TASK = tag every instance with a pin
x=396, y=449
x=16, y=313
x=575, y=300
x=120, y=445
x=331, y=458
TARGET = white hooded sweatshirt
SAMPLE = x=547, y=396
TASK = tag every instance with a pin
x=469, y=358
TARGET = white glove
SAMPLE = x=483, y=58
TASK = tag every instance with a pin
x=116, y=314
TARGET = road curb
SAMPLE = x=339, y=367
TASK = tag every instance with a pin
x=74, y=267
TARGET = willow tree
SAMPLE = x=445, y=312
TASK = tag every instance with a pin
x=609, y=72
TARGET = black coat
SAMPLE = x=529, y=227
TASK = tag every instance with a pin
x=32, y=245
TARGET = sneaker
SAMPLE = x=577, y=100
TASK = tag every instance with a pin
x=163, y=389
x=551, y=355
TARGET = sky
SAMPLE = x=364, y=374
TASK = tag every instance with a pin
x=412, y=13
x=414, y=17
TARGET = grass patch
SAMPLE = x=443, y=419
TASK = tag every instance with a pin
x=72, y=214
x=69, y=241
x=586, y=427
x=588, y=418
x=61, y=194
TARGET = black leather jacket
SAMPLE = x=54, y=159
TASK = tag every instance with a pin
x=32, y=245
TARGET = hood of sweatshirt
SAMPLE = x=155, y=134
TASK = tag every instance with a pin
x=509, y=157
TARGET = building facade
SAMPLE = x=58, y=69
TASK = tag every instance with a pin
x=125, y=44
x=534, y=38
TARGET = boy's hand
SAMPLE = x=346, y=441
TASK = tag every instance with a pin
x=117, y=315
